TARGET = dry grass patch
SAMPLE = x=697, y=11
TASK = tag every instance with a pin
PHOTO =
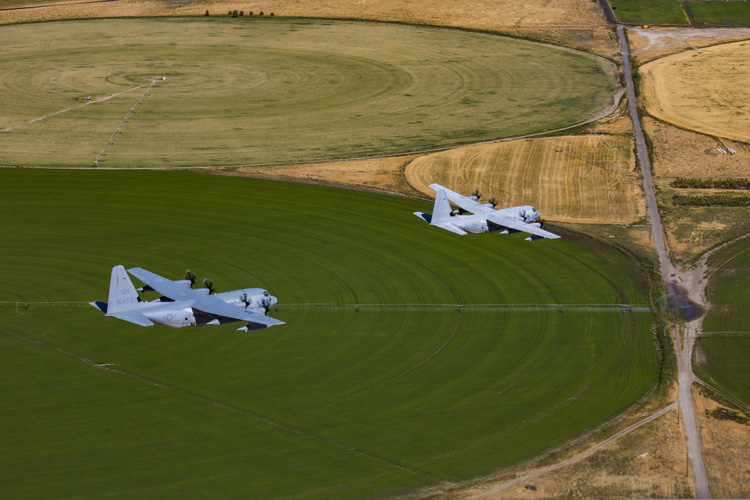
x=725, y=451
x=704, y=90
x=588, y=178
x=578, y=23
x=692, y=231
x=377, y=173
x=649, y=44
x=678, y=152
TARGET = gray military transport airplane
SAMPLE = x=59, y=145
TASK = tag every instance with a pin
x=484, y=217
x=181, y=305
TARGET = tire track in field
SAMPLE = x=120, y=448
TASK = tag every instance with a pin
x=255, y=416
x=93, y=101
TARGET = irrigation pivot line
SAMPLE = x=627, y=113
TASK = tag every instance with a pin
x=96, y=162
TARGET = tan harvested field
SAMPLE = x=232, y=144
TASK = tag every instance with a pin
x=386, y=174
x=725, y=451
x=577, y=23
x=652, y=43
x=703, y=90
x=569, y=178
x=678, y=152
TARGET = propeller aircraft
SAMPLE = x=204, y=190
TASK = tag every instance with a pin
x=181, y=305
x=484, y=217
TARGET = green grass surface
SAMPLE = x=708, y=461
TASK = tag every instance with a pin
x=248, y=90
x=733, y=13
x=726, y=335
x=404, y=394
x=649, y=11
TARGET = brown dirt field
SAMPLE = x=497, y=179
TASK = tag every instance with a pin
x=650, y=462
x=681, y=153
x=649, y=44
x=725, y=451
x=386, y=174
x=703, y=90
x=692, y=231
x=606, y=189
x=577, y=23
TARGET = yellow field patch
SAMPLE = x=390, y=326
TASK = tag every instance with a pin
x=376, y=173
x=572, y=178
x=704, y=90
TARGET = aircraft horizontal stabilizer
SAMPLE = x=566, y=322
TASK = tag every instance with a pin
x=102, y=306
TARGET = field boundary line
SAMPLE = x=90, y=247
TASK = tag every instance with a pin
x=580, y=456
x=107, y=367
x=93, y=101
x=122, y=123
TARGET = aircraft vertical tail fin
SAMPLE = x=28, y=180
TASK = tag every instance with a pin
x=122, y=294
x=441, y=212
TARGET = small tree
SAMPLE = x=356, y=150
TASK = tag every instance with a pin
x=229, y=13
x=234, y=14
x=206, y=13
x=251, y=13
x=242, y=13
x=260, y=13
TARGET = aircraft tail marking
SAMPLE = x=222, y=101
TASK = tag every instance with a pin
x=122, y=294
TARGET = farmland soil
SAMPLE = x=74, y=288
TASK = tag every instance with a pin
x=538, y=171
x=678, y=152
x=703, y=90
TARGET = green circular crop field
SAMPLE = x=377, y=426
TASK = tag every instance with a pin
x=411, y=358
x=250, y=91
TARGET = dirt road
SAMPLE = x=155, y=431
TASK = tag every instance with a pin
x=669, y=275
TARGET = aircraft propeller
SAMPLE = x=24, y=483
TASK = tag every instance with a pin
x=207, y=283
x=492, y=201
x=191, y=277
x=245, y=300
x=476, y=194
x=266, y=303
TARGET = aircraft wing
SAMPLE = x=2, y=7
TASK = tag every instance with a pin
x=512, y=223
x=206, y=303
x=462, y=201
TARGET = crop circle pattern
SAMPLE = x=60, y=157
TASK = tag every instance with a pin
x=287, y=90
